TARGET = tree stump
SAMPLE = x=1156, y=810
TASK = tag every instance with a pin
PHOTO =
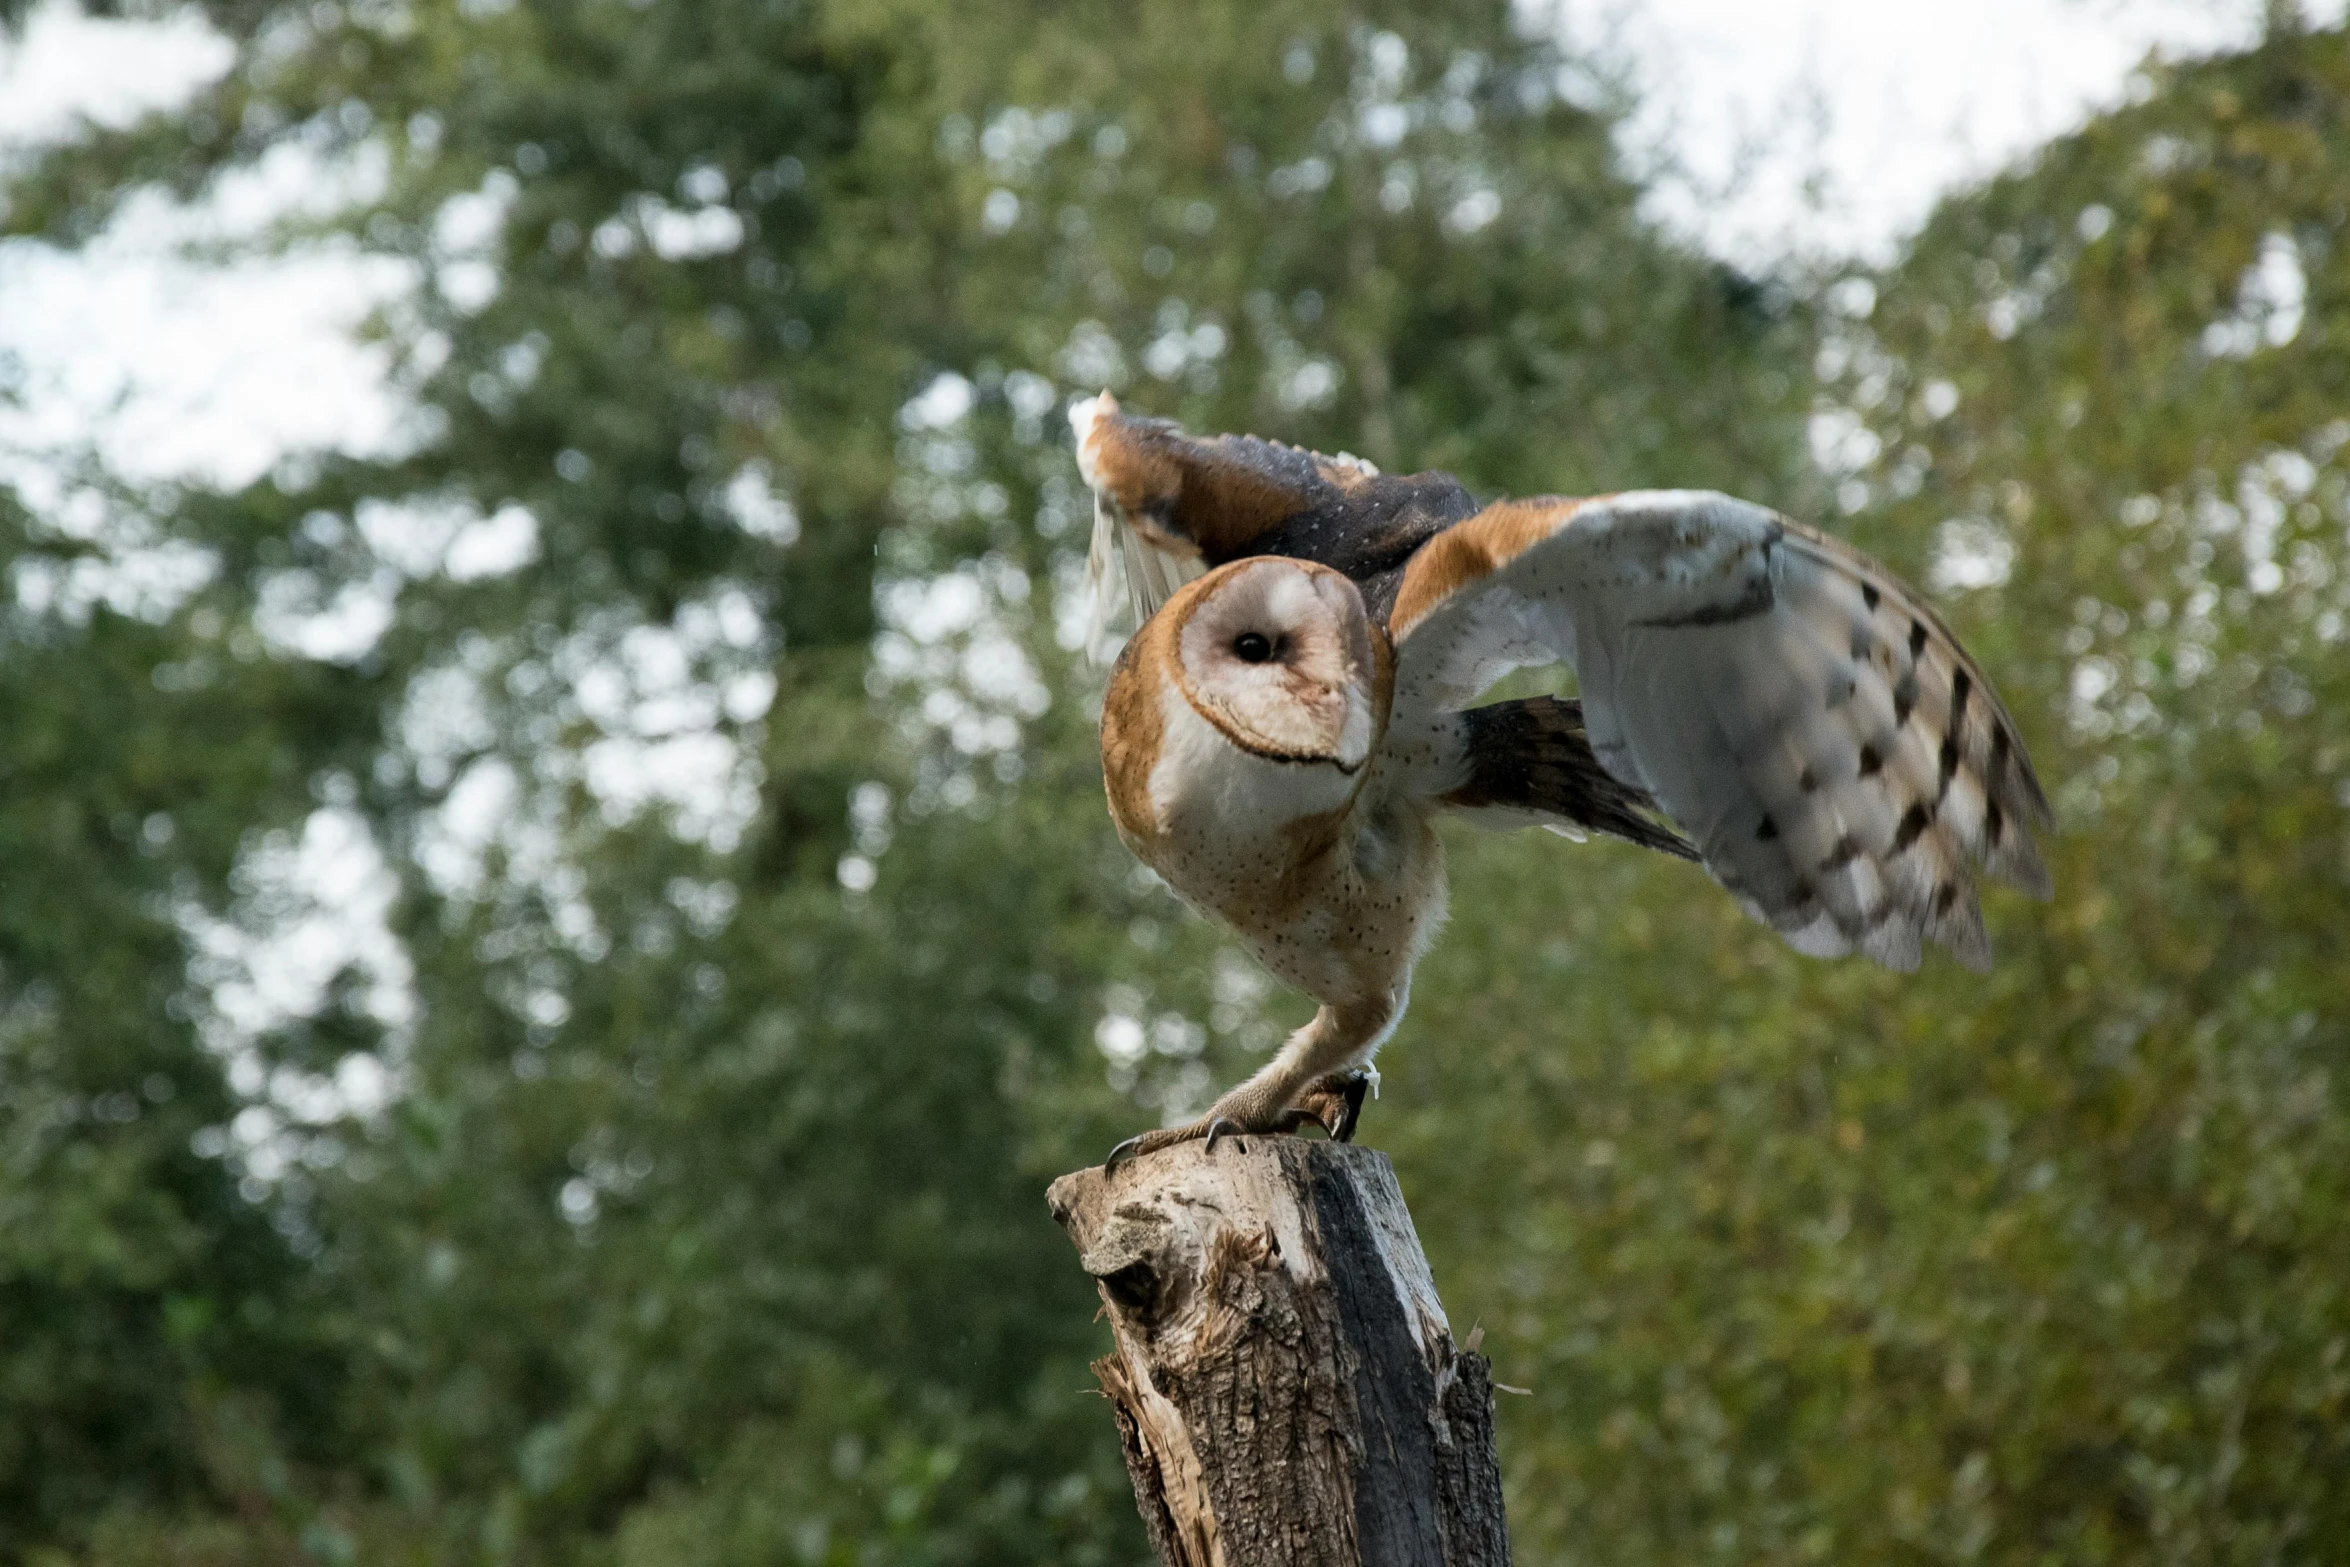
x=1286, y=1388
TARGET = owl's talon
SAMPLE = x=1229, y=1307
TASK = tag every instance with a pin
x=1336, y=1103
x=1333, y=1104
x=1351, y=1096
x=1214, y=1128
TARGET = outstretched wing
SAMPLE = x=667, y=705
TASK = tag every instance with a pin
x=1835, y=755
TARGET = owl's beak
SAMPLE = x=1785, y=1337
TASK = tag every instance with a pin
x=1317, y=724
x=1354, y=733
x=1358, y=727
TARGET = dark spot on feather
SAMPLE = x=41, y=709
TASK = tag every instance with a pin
x=1869, y=594
x=1905, y=697
x=1999, y=748
x=1767, y=831
x=1807, y=780
x=1949, y=757
x=1845, y=852
x=1870, y=761
x=1944, y=896
x=1839, y=695
x=1914, y=822
x=1861, y=643
x=1917, y=638
x=1994, y=821
x=1960, y=685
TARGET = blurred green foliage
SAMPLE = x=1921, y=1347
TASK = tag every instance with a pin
x=699, y=1217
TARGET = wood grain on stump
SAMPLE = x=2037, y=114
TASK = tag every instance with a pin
x=1285, y=1384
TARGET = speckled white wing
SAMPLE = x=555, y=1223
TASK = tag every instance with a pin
x=1814, y=728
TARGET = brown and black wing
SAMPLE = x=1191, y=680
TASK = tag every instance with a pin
x=1177, y=504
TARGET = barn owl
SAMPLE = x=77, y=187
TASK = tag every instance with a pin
x=1295, y=711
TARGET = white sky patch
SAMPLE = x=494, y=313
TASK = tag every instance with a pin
x=295, y=614
x=174, y=370
x=699, y=775
x=940, y=405
x=1183, y=344
x=494, y=546
x=688, y=233
x=1970, y=552
x=67, y=66
x=757, y=508
x=465, y=235
x=1887, y=106
x=668, y=704
x=420, y=538
x=951, y=643
x=136, y=572
x=1841, y=441
x=309, y=906
x=170, y=367
x=1473, y=212
x=301, y=898
x=148, y=583
x=476, y=808
x=412, y=537
x=470, y=223
x=665, y=742
x=2269, y=303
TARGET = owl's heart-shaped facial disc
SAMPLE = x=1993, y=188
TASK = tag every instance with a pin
x=1277, y=654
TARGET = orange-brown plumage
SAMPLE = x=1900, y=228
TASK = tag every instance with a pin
x=1462, y=554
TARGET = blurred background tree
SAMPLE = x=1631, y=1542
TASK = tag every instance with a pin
x=695, y=692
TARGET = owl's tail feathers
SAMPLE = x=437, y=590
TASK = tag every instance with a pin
x=1531, y=763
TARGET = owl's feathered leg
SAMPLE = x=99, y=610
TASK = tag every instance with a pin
x=1306, y=1080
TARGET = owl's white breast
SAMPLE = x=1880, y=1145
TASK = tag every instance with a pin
x=1332, y=894
x=1214, y=799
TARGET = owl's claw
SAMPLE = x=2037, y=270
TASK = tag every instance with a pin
x=1151, y=1142
x=1214, y=1128
x=1336, y=1103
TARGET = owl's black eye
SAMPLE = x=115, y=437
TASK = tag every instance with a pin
x=1251, y=647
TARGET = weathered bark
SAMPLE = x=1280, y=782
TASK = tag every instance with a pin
x=1284, y=1382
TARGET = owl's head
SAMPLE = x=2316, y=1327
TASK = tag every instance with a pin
x=1276, y=654
x=1254, y=694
